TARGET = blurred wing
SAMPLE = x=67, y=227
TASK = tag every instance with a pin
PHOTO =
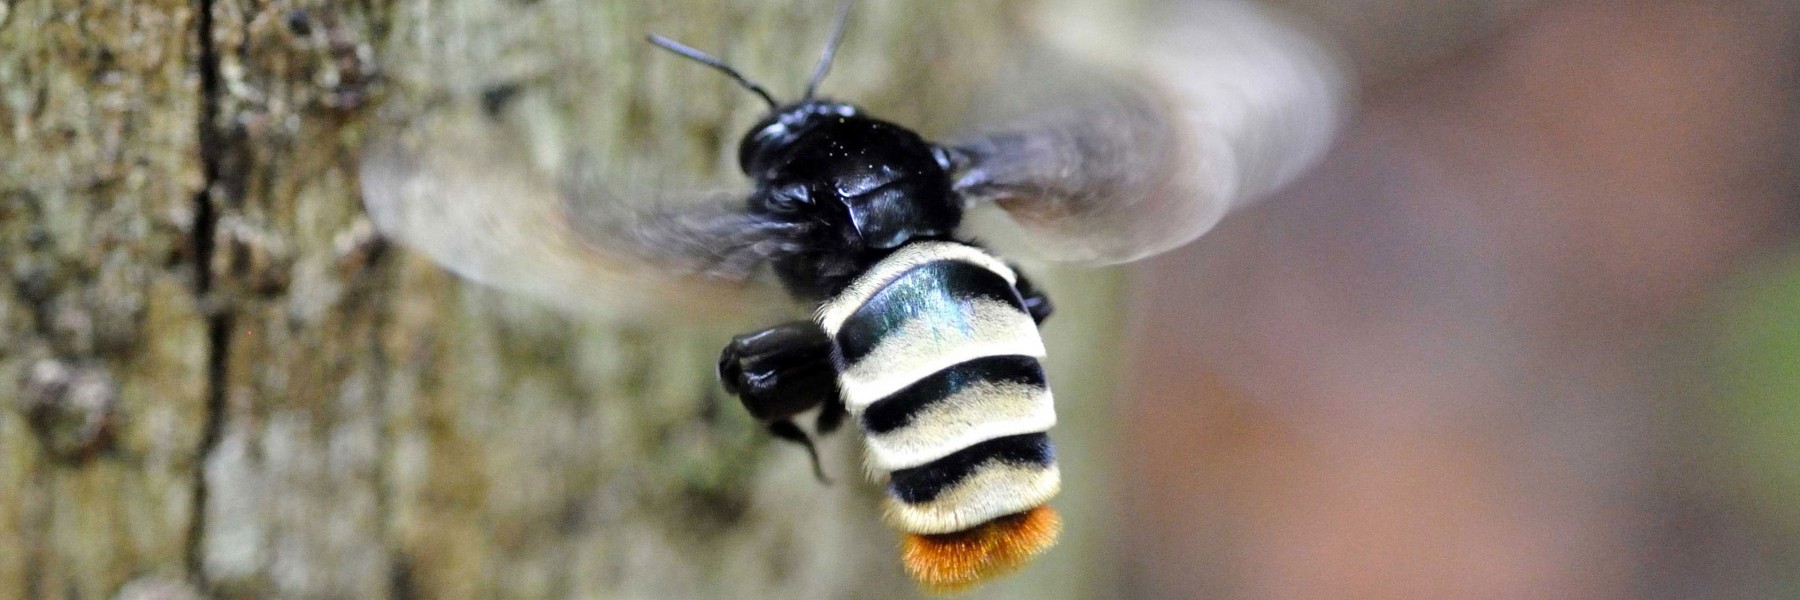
x=466, y=196
x=1142, y=154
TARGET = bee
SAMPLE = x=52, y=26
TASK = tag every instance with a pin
x=924, y=339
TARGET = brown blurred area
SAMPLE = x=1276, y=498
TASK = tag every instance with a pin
x=1455, y=360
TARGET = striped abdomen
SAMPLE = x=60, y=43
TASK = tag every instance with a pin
x=939, y=363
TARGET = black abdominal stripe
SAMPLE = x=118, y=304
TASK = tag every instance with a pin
x=940, y=364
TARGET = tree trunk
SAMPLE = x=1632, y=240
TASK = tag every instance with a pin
x=215, y=380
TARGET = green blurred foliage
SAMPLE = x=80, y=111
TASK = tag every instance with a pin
x=1756, y=392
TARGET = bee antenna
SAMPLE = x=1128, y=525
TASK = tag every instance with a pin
x=705, y=59
x=831, y=46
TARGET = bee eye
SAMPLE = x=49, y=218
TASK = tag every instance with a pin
x=789, y=198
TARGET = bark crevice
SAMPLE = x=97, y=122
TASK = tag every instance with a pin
x=218, y=315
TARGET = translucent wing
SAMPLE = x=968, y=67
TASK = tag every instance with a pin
x=467, y=196
x=1135, y=154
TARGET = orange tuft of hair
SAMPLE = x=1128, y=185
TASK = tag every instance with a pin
x=952, y=562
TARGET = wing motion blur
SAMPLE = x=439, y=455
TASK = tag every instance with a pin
x=464, y=194
x=1139, y=152
x=1118, y=154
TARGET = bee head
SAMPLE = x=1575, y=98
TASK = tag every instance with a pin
x=776, y=134
x=873, y=183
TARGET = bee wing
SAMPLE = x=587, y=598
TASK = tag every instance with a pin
x=1145, y=152
x=466, y=196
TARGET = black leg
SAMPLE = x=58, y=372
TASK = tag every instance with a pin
x=831, y=416
x=781, y=371
x=787, y=430
x=1036, y=302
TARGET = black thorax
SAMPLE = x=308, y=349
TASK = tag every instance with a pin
x=863, y=186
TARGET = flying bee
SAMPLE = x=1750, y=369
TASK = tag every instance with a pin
x=924, y=339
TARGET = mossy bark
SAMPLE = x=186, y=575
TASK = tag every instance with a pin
x=215, y=379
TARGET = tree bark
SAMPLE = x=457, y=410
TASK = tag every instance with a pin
x=216, y=381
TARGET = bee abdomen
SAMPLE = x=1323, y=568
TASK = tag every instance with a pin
x=939, y=362
x=957, y=407
x=986, y=481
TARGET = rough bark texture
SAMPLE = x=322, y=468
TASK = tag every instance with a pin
x=216, y=381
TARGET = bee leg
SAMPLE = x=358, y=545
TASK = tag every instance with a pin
x=787, y=430
x=831, y=416
x=1036, y=302
x=781, y=372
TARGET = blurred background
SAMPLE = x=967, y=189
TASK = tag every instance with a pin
x=1532, y=330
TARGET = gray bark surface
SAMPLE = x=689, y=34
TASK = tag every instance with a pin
x=216, y=381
